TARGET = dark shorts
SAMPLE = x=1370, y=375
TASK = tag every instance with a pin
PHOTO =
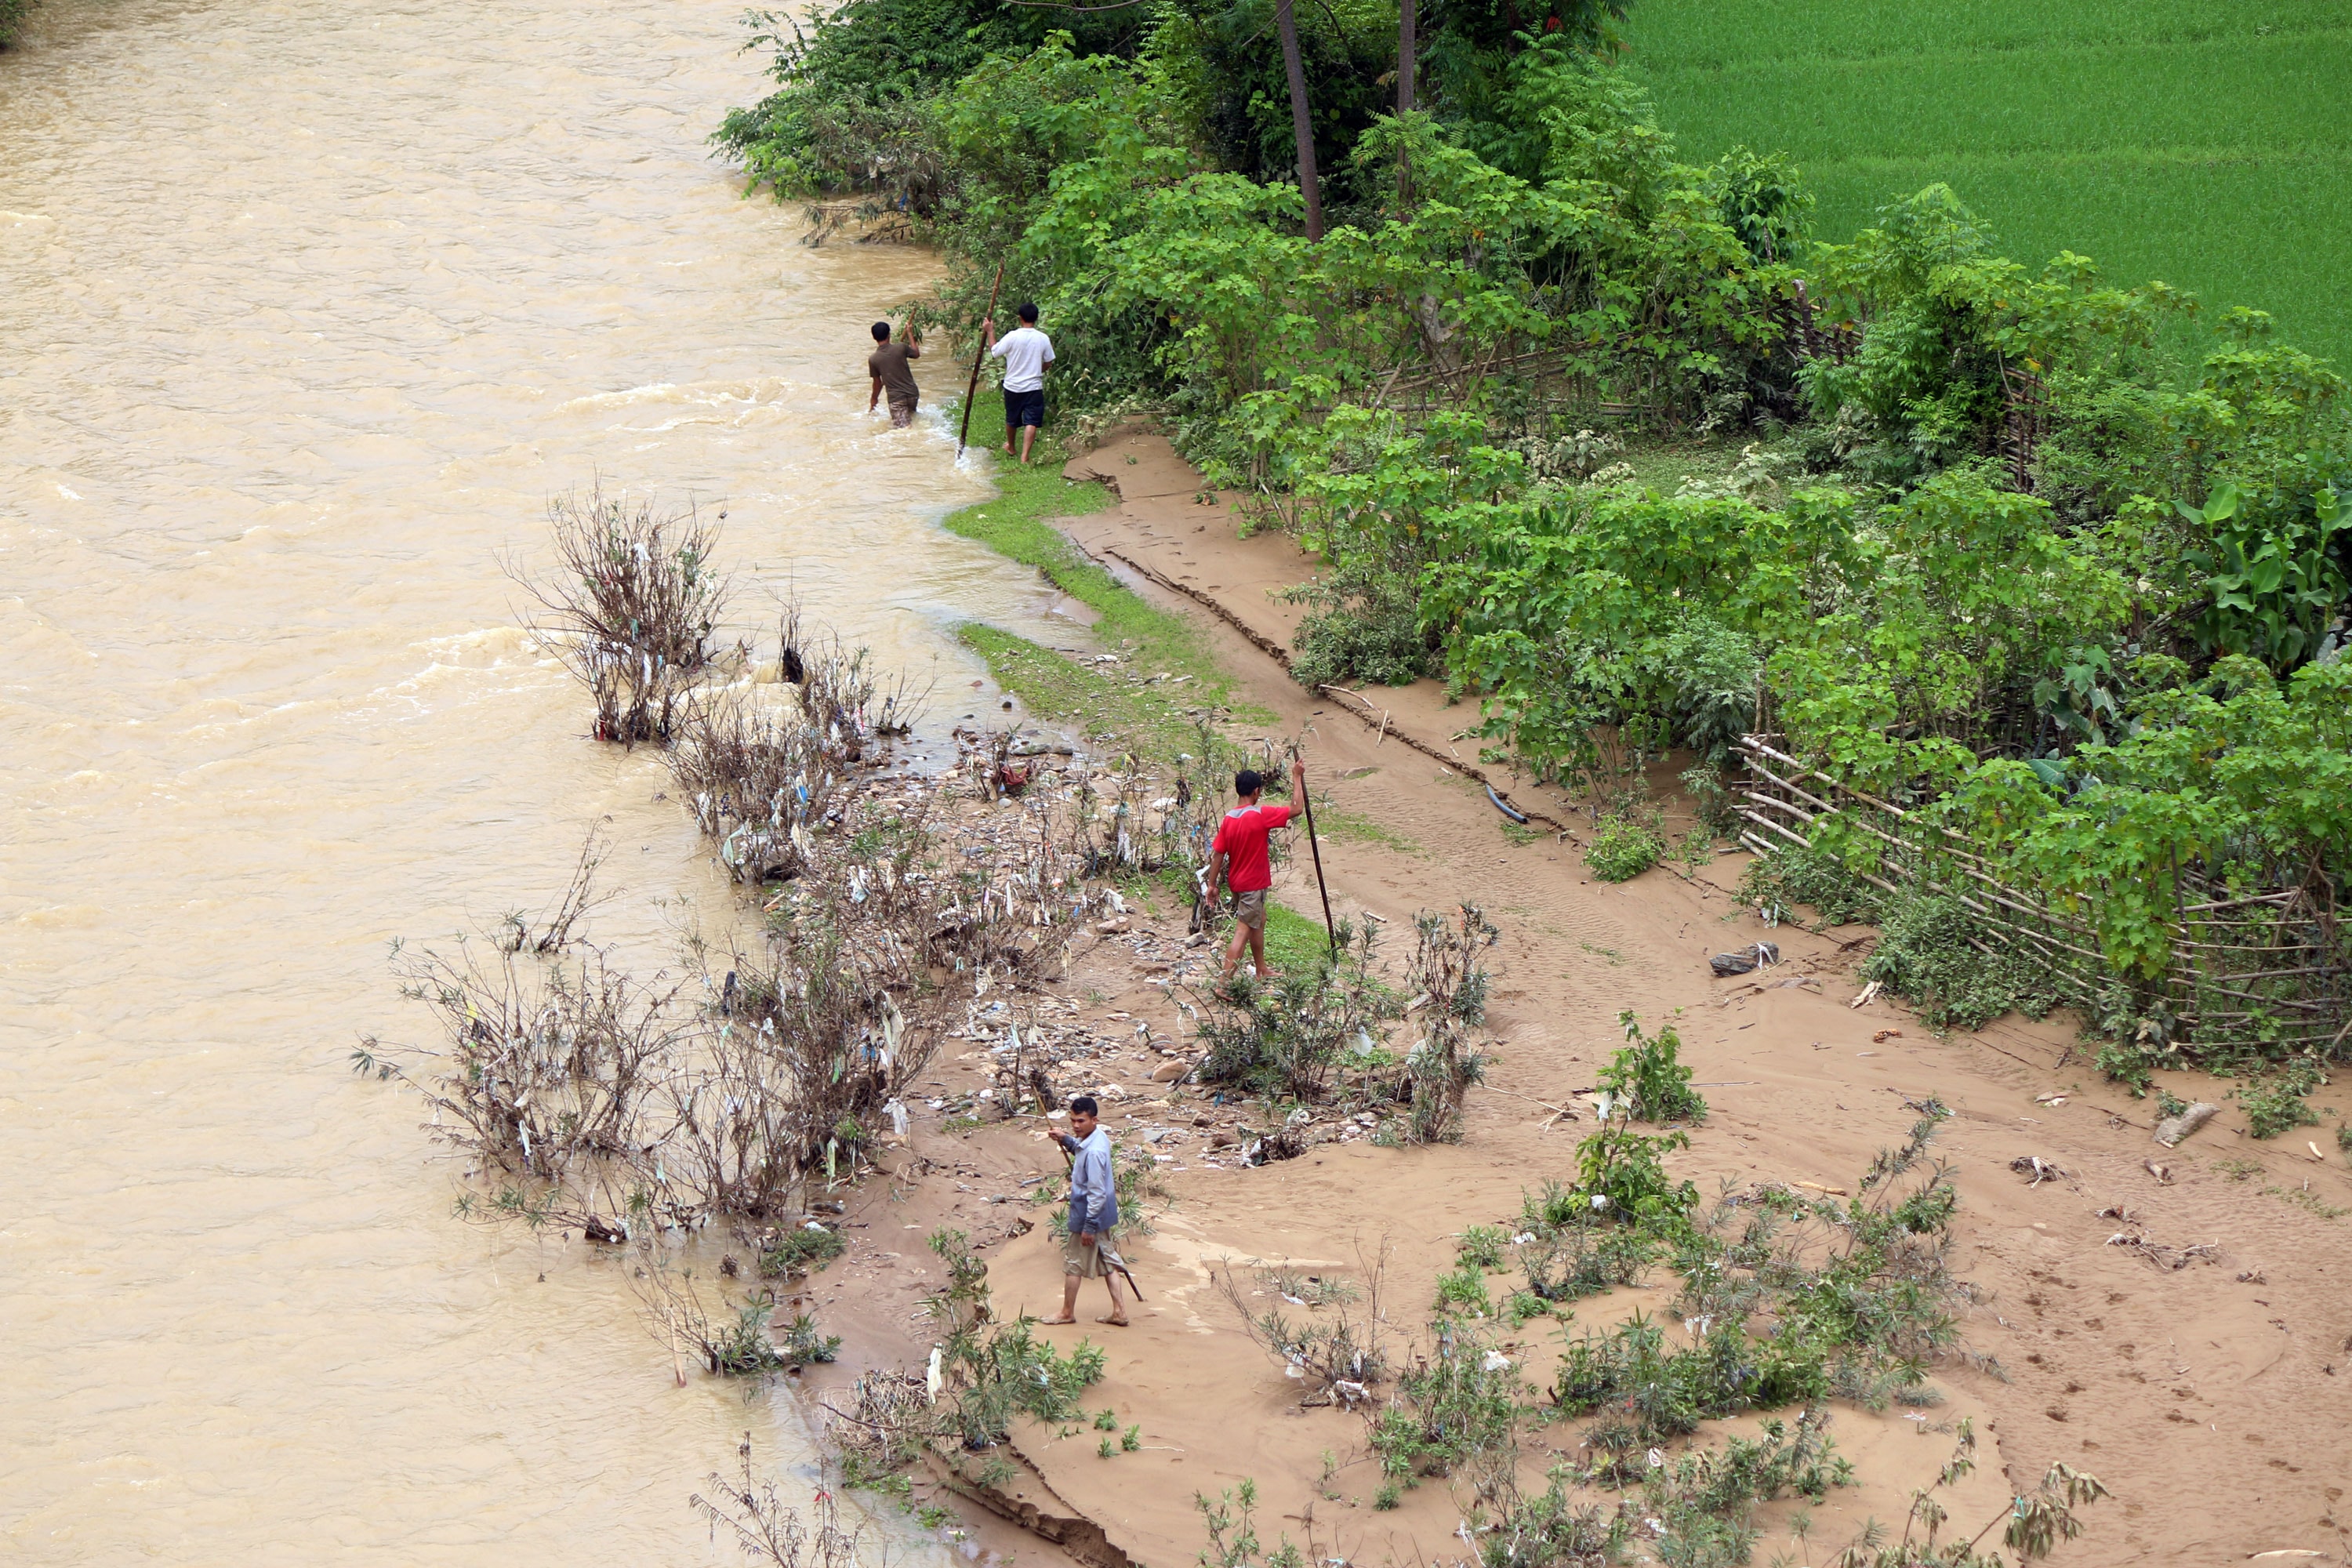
x=1025, y=408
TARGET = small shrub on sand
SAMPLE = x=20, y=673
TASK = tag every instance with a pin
x=1456, y=1411
x=1290, y=1036
x=2277, y=1104
x=1928, y=953
x=1623, y=847
x=1648, y=1077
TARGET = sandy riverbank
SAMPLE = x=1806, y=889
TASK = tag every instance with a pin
x=2213, y=1398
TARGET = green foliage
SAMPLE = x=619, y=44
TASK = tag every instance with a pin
x=2084, y=127
x=1464, y=1292
x=746, y=1348
x=2276, y=1105
x=12, y=19
x=1931, y=952
x=2230, y=770
x=1626, y=1170
x=1289, y=1036
x=1776, y=885
x=1550, y=1529
x=1457, y=1409
x=1623, y=847
x=1707, y=1499
x=1365, y=631
x=1231, y=1525
x=999, y=1373
x=799, y=1250
x=1858, y=1296
x=1648, y=1078
x=1482, y=1245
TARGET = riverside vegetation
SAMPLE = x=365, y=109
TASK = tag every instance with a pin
x=720, y=1097
x=2038, y=579
x=1788, y=1302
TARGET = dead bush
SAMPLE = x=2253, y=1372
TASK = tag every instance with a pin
x=1332, y=1348
x=766, y=1531
x=759, y=782
x=631, y=609
x=1451, y=1001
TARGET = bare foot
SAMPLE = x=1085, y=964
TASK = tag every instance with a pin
x=1118, y=1322
x=1056, y=1321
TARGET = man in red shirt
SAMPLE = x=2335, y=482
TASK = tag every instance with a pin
x=1237, y=854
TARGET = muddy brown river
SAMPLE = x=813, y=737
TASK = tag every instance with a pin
x=305, y=310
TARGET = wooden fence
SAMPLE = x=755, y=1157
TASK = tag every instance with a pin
x=2264, y=971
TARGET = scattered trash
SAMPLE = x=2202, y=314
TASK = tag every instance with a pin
x=2035, y=1166
x=2172, y=1258
x=1746, y=960
x=2254, y=1276
x=1882, y=1035
x=2173, y=1129
x=1868, y=991
x=2163, y=1173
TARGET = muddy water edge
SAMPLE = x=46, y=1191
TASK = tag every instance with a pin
x=307, y=310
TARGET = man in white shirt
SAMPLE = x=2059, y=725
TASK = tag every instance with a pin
x=1027, y=352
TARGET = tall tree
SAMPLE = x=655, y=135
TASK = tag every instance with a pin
x=1406, y=49
x=1301, y=124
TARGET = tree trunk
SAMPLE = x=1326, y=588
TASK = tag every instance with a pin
x=1406, y=48
x=1299, y=122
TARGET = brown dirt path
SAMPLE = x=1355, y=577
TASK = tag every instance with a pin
x=2214, y=1399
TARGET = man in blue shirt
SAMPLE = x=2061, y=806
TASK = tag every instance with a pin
x=1094, y=1213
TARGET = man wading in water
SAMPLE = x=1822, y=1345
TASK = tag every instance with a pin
x=1086, y=1252
x=1237, y=854
x=887, y=365
x=1026, y=353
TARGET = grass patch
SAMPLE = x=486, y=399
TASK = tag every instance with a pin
x=1165, y=669
x=1293, y=943
x=1341, y=825
x=2132, y=133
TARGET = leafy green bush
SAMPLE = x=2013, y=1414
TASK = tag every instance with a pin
x=1371, y=638
x=746, y=1349
x=1482, y=1245
x=1457, y=1409
x=1647, y=1076
x=1931, y=953
x=1707, y=1500
x=1778, y=883
x=1623, y=848
x=2276, y=1105
x=1624, y=1173
x=1464, y=1291
x=1288, y=1037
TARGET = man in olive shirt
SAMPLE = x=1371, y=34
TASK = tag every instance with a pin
x=887, y=365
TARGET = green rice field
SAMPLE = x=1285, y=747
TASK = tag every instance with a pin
x=2209, y=145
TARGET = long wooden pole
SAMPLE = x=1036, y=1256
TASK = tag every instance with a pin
x=1306, y=800
x=973, y=391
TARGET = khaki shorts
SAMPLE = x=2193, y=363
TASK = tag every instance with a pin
x=1080, y=1261
x=1249, y=908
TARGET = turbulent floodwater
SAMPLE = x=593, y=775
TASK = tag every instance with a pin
x=305, y=310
